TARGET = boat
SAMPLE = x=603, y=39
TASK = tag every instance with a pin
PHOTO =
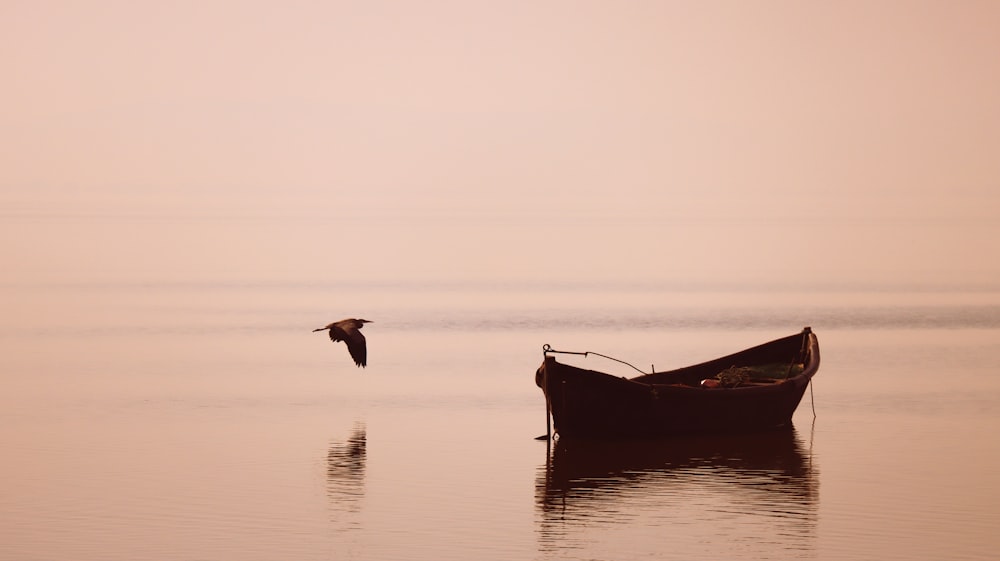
x=756, y=389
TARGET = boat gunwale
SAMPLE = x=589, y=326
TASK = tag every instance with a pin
x=810, y=367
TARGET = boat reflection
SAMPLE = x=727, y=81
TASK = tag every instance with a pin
x=759, y=490
x=345, y=476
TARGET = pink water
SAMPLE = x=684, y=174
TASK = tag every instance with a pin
x=207, y=422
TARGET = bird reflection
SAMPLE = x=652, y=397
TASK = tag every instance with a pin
x=763, y=484
x=345, y=474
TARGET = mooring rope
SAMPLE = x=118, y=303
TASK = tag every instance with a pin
x=546, y=349
x=812, y=398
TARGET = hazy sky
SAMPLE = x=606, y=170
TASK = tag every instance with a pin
x=519, y=140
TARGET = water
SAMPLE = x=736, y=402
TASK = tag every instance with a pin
x=194, y=420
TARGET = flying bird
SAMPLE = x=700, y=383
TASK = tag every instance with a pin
x=348, y=331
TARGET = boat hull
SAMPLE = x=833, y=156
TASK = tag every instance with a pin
x=588, y=403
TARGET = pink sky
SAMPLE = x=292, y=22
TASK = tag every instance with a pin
x=669, y=140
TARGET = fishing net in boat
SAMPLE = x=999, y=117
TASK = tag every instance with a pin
x=733, y=376
x=736, y=376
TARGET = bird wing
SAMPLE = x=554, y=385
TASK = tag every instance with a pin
x=336, y=333
x=356, y=346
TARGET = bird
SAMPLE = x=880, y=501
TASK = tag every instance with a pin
x=348, y=331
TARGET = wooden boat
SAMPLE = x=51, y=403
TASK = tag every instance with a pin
x=755, y=389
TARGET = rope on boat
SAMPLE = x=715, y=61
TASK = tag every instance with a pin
x=546, y=349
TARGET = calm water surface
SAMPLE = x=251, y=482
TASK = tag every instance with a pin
x=205, y=421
